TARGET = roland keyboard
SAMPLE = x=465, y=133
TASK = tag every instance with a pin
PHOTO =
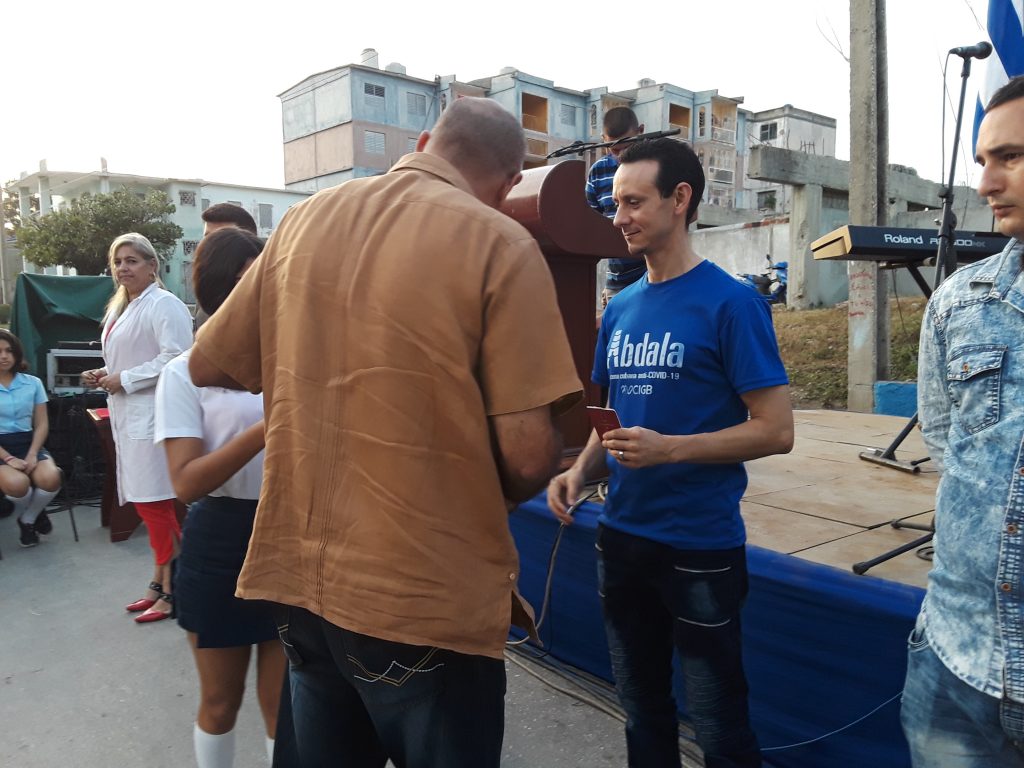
x=902, y=247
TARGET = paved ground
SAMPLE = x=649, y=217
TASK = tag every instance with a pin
x=82, y=685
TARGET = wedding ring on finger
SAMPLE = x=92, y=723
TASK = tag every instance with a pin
x=622, y=455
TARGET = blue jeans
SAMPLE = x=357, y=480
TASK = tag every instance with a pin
x=656, y=597
x=358, y=701
x=950, y=724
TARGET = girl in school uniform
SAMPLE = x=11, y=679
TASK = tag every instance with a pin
x=214, y=441
x=28, y=476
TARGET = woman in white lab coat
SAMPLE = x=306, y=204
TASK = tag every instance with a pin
x=144, y=328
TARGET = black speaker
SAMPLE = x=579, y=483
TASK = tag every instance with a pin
x=74, y=444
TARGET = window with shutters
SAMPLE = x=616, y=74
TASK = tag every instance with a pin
x=373, y=142
x=416, y=104
x=373, y=95
x=265, y=216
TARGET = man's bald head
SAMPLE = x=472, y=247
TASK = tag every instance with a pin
x=483, y=141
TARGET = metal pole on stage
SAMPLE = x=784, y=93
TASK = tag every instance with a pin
x=945, y=257
x=945, y=265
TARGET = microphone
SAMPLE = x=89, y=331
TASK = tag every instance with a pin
x=980, y=50
x=658, y=134
x=644, y=136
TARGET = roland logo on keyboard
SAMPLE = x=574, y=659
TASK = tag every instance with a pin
x=889, y=237
x=897, y=239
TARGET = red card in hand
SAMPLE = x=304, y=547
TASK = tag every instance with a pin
x=603, y=419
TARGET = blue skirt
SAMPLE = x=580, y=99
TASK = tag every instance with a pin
x=18, y=443
x=213, y=544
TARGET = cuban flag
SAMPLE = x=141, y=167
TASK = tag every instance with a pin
x=1005, y=23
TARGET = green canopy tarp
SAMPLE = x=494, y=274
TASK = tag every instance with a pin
x=49, y=309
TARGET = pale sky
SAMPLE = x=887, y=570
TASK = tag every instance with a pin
x=189, y=89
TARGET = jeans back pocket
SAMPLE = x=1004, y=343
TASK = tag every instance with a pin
x=974, y=378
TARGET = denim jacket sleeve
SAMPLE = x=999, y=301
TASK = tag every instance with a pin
x=933, y=402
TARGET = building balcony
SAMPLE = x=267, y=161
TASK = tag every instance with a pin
x=536, y=147
x=537, y=123
x=684, y=131
x=724, y=135
x=721, y=196
x=721, y=175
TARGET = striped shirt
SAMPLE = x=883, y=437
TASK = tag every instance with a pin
x=621, y=272
x=599, y=186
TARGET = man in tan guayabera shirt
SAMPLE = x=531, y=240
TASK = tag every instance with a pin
x=408, y=343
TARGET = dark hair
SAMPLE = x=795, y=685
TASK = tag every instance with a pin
x=16, y=348
x=618, y=121
x=1012, y=91
x=229, y=213
x=677, y=163
x=219, y=257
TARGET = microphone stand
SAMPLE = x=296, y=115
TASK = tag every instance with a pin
x=581, y=147
x=945, y=265
x=945, y=257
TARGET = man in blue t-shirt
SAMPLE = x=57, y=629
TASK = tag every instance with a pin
x=693, y=370
x=619, y=123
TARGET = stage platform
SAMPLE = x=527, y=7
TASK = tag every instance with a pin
x=825, y=649
x=824, y=504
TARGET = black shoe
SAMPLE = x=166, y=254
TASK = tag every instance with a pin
x=43, y=525
x=29, y=537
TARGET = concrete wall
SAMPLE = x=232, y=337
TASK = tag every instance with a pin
x=741, y=248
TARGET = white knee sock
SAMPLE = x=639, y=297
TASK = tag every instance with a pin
x=270, y=750
x=40, y=499
x=213, y=750
x=21, y=504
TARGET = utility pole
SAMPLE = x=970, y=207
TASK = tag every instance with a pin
x=868, y=313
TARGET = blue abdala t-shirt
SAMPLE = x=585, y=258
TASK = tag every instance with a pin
x=676, y=356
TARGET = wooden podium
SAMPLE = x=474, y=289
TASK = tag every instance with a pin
x=122, y=519
x=550, y=202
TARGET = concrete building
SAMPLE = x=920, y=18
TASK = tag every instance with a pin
x=352, y=121
x=358, y=119
x=788, y=128
x=773, y=181
x=190, y=198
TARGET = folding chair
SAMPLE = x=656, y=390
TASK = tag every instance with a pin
x=63, y=501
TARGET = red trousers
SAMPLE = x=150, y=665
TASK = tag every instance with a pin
x=162, y=523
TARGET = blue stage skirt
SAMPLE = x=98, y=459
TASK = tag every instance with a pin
x=213, y=544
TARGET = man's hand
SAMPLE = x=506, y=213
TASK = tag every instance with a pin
x=636, y=447
x=564, y=491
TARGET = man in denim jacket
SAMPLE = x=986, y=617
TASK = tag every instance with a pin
x=963, y=704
